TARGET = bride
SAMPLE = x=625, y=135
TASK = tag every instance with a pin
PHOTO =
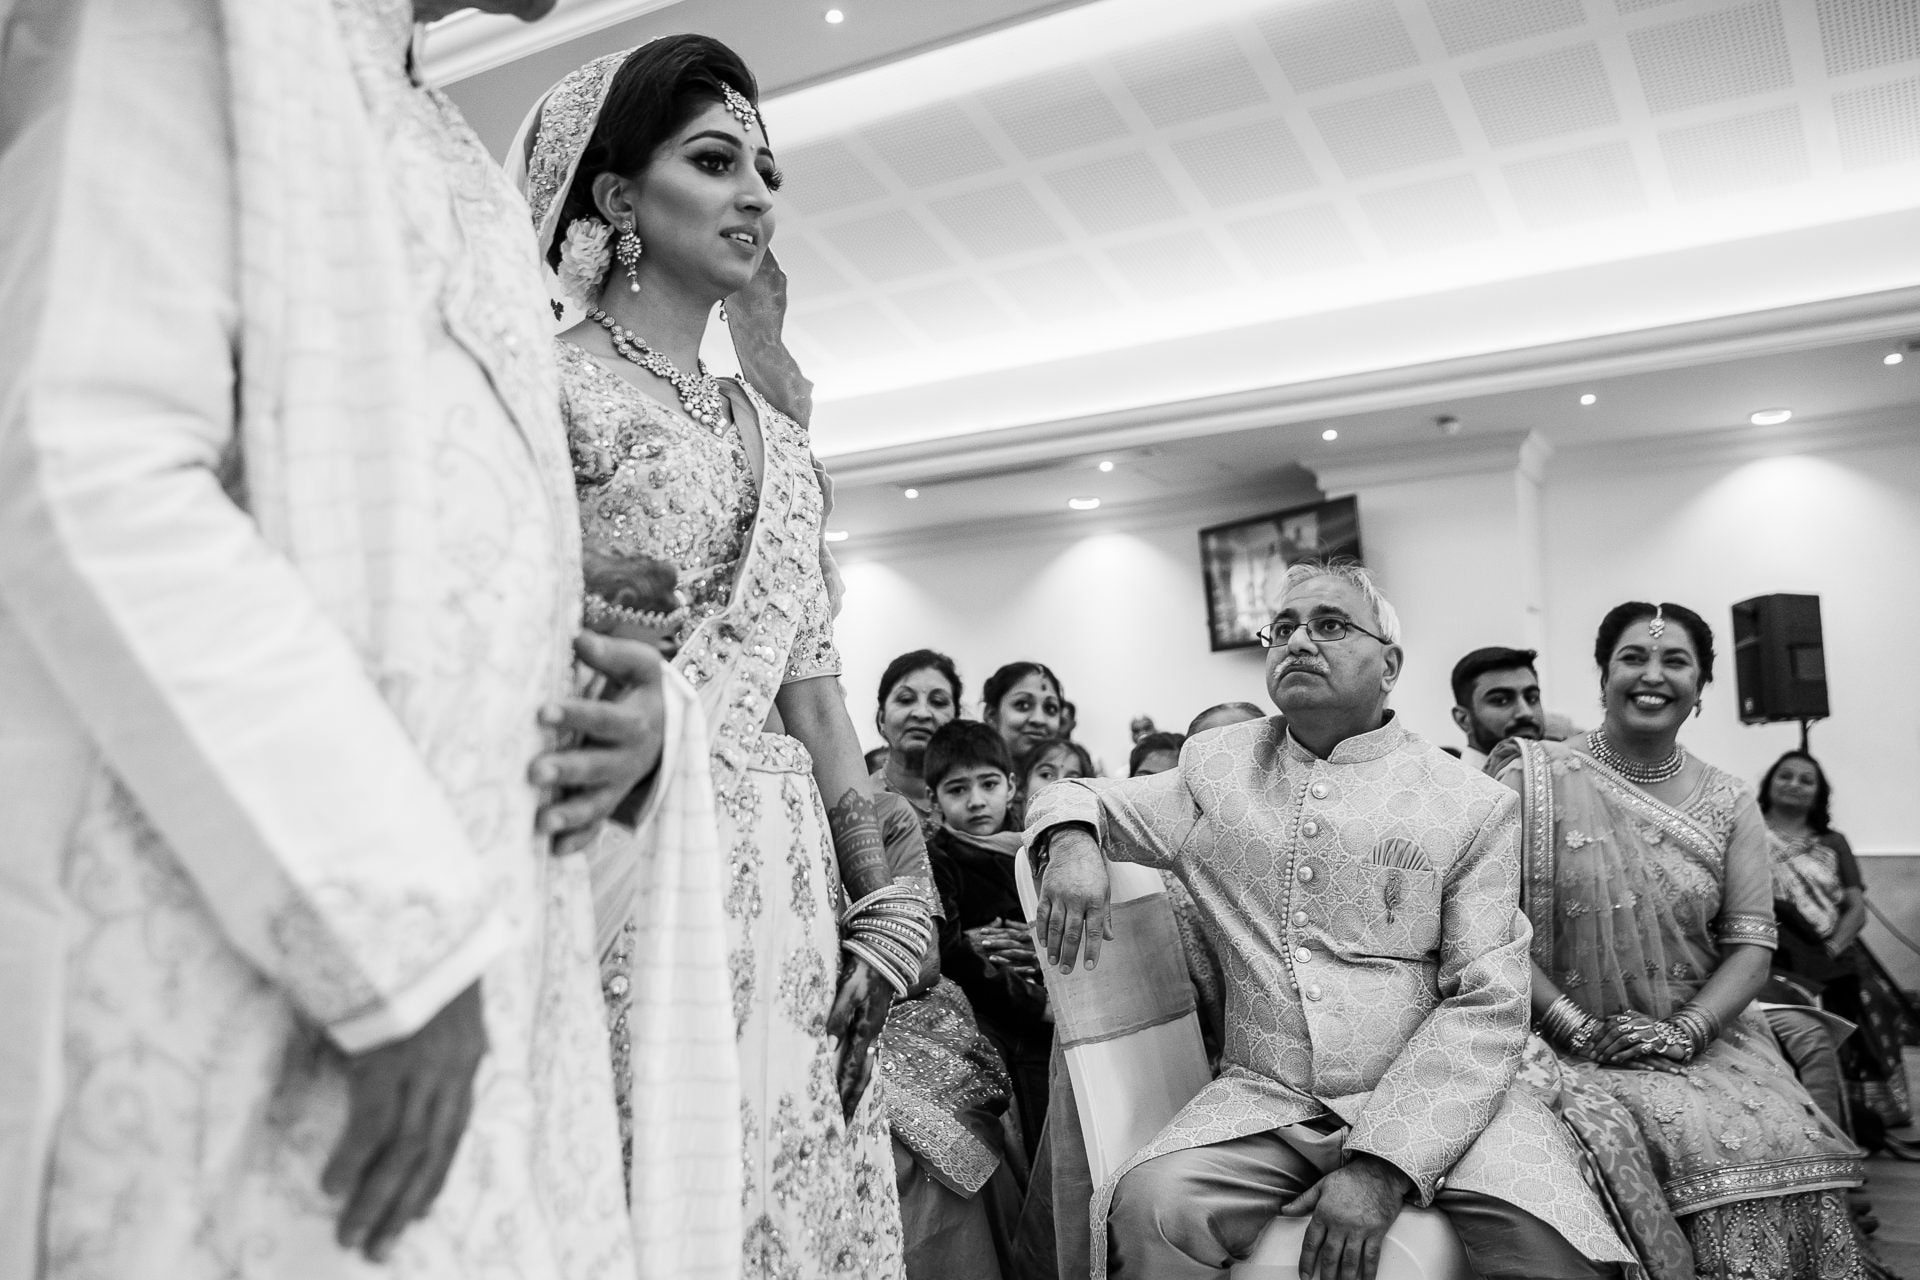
x=651, y=182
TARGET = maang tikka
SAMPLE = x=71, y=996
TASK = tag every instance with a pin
x=1657, y=627
x=627, y=250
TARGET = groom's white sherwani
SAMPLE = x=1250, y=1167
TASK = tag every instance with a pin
x=245, y=826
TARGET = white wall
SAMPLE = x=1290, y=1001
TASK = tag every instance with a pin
x=1844, y=525
x=1121, y=615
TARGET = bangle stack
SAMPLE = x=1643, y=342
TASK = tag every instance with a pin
x=891, y=929
x=1700, y=1025
x=1567, y=1026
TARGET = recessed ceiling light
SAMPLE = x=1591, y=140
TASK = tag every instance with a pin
x=1589, y=398
x=837, y=535
x=836, y=17
x=1892, y=357
x=1084, y=504
x=1769, y=417
x=1329, y=434
x=912, y=493
x=1106, y=466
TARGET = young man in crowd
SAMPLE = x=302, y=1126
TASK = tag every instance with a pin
x=1496, y=695
x=1359, y=889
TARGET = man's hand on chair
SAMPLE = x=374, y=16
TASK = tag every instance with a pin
x=1073, y=898
x=1352, y=1208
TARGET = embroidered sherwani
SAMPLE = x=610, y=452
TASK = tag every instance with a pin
x=240, y=839
x=1364, y=910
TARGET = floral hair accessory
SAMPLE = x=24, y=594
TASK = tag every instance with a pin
x=745, y=112
x=584, y=258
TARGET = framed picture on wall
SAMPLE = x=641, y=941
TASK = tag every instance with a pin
x=1246, y=563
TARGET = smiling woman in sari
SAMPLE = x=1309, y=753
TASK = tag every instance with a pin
x=1646, y=876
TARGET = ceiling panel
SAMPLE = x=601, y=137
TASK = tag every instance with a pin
x=1245, y=163
x=1050, y=114
x=887, y=246
x=1859, y=35
x=1330, y=42
x=1467, y=26
x=1745, y=153
x=1058, y=290
x=1543, y=96
x=992, y=222
x=1118, y=193
x=1714, y=57
x=1879, y=124
x=1290, y=242
x=1430, y=215
x=1171, y=266
x=1576, y=186
x=933, y=145
x=1192, y=78
x=1385, y=132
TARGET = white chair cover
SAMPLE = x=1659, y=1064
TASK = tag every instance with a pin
x=1129, y=1086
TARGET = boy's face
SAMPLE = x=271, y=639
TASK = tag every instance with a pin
x=973, y=799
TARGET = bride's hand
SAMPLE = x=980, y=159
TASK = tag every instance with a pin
x=618, y=742
x=859, y=1012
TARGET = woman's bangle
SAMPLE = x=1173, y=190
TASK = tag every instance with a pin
x=1567, y=1026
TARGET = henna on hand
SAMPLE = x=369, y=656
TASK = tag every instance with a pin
x=855, y=826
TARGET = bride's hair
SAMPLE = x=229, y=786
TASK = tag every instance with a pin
x=661, y=86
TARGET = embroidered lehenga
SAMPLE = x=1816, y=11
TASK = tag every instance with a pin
x=819, y=1192
x=1632, y=902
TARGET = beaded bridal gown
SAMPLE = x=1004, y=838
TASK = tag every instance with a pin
x=819, y=1193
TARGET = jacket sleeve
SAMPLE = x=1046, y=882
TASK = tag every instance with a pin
x=1448, y=1082
x=243, y=724
x=1145, y=820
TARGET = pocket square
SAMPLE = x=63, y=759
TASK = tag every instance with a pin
x=1401, y=853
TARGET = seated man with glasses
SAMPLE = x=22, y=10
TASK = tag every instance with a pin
x=1360, y=888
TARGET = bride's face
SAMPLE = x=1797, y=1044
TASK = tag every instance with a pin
x=705, y=204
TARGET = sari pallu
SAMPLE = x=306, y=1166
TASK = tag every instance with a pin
x=1632, y=902
x=1810, y=880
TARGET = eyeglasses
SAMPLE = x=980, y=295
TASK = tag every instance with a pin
x=1323, y=629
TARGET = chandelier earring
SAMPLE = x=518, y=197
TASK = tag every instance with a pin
x=627, y=250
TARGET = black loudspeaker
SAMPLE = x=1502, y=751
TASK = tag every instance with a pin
x=1779, y=659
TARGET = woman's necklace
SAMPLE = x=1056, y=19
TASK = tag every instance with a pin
x=1640, y=775
x=699, y=395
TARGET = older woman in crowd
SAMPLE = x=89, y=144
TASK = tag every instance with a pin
x=1822, y=908
x=1647, y=877
x=919, y=692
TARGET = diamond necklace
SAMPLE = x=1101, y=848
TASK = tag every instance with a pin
x=699, y=395
x=1641, y=775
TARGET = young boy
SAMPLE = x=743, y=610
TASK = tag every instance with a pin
x=985, y=946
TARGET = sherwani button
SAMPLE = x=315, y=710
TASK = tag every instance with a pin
x=1318, y=791
x=1305, y=874
x=1310, y=828
x=1301, y=955
x=1313, y=992
x=1299, y=919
